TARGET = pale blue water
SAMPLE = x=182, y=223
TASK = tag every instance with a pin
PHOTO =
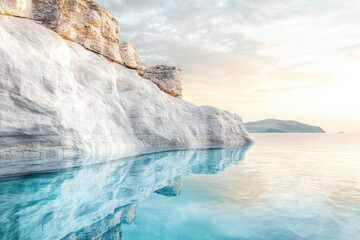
x=288, y=186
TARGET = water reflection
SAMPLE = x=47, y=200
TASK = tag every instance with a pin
x=94, y=201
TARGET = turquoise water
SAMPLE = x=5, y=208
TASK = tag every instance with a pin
x=286, y=186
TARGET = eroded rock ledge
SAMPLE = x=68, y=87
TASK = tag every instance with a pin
x=95, y=28
x=167, y=78
x=130, y=57
x=81, y=21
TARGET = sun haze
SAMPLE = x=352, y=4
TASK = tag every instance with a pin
x=259, y=58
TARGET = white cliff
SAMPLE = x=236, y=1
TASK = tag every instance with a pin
x=58, y=98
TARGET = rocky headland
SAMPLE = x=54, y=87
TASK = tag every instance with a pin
x=281, y=126
x=69, y=86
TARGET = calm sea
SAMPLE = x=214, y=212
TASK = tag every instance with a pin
x=286, y=186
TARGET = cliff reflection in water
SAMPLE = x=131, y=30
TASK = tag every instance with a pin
x=94, y=201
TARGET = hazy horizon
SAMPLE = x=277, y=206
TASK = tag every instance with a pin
x=297, y=60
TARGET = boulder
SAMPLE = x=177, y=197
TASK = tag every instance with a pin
x=167, y=78
x=130, y=57
x=129, y=54
x=81, y=21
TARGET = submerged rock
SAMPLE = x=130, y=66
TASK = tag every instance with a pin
x=167, y=78
x=57, y=99
x=81, y=21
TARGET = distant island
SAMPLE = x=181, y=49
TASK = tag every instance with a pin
x=281, y=126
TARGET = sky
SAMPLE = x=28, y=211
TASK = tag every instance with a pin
x=291, y=60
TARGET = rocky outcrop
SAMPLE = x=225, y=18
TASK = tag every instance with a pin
x=21, y=8
x=141, y=68
x=72, y=101
x=129, y=54
x=167, y=78
x=81, y=21
x=130, y=57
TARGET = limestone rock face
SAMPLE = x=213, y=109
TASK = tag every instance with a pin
x=167, y=78
x=21, y=8
x=141, y=68
x=130, y=57
x=81, y=21
x=129, y=54
x=59, y=99
x=87, y=23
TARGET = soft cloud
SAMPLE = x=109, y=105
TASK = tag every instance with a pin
x=259, y=58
